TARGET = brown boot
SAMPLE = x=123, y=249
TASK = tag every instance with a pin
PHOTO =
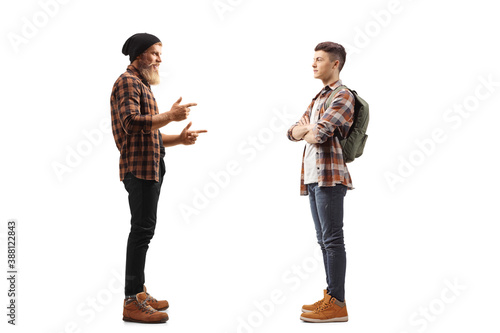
x=330, y=311
x=154, y=303
x=312, y=307
x=138, y=310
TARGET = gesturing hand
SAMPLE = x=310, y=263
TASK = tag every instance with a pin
x=180, y=112
x=188, y=137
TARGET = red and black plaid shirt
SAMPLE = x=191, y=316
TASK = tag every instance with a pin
x=132, y=108
x=339, y=115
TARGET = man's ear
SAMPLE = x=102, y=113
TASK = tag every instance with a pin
x=336, y=63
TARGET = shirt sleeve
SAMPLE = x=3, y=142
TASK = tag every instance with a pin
x=304, y=116
x=128, y=95
x=339, y=114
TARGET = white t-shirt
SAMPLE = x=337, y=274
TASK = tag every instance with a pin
x=311, y=171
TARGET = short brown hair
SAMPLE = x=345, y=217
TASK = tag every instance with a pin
x=335, y=52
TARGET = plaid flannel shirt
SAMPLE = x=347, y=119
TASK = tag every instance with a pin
x=132, y=108
x=330, y=160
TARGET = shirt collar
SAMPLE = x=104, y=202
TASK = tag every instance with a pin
x=136, y=72
x=328, y=88
x=334, y=85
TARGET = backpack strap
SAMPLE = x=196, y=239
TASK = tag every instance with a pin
x=334, y=92
x=329, y=102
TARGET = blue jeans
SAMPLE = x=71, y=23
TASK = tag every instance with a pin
x=327, y=208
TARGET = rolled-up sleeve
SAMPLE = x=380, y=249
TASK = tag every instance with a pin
x=129, y=108
x=338, y=115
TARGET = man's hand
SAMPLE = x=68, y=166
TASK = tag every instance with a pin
x=188, y=137
x=306, y=127
x=180, y=112
x=300, y=131
x=304, y=121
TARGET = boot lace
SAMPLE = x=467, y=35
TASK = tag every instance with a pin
x=324, y=306
x=145, y=307
x=318, y=303
x=150, y=298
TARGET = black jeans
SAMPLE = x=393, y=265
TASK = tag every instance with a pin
x=327, y=208
x=143, y=198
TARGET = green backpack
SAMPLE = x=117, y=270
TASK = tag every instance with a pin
x=354, y=143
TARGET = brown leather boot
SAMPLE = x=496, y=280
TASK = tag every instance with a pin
x=154, y=303
x=137, y=310
x=330, y=311
x=312, y=307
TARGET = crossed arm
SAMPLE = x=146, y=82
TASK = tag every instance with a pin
x=339, y=114
x=304, y=131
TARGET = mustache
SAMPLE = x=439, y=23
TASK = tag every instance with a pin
x=144, y=65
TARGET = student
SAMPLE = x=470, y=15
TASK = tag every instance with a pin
x=324, y=176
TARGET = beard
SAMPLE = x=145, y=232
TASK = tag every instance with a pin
x=149, y=73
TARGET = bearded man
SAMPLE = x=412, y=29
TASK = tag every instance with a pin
x=136, y=122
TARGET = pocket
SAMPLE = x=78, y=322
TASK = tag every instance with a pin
x=162, y=167
x=361, y=146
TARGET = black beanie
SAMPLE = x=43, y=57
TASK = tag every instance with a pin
x=137, y=44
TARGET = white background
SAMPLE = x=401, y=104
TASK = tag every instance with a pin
x=406, y=243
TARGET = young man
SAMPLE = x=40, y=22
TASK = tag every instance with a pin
x=136, y=122
x=324, y=176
